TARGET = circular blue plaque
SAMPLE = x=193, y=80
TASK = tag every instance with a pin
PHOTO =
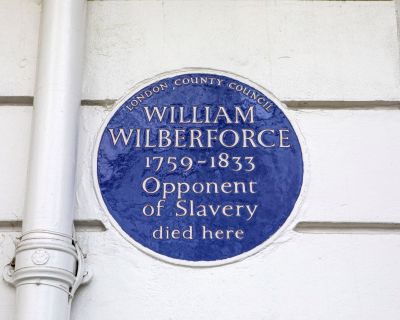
x=199, y=167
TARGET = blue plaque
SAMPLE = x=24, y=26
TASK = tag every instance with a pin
x=199, y=167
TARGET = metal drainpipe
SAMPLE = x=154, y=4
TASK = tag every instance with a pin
x=49, y=264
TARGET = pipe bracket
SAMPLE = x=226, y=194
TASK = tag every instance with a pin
x=48, y=258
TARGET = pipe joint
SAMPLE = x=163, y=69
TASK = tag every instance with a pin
x=46, y=258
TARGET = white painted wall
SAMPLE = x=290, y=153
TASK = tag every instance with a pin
x=342, y=58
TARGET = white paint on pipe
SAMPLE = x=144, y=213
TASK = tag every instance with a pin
x=55, y=123
x=46, y=258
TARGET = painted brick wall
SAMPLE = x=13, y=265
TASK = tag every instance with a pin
x=335, y=64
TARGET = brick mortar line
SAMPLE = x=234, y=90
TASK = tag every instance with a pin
x=27, y=101
x=347, y=227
